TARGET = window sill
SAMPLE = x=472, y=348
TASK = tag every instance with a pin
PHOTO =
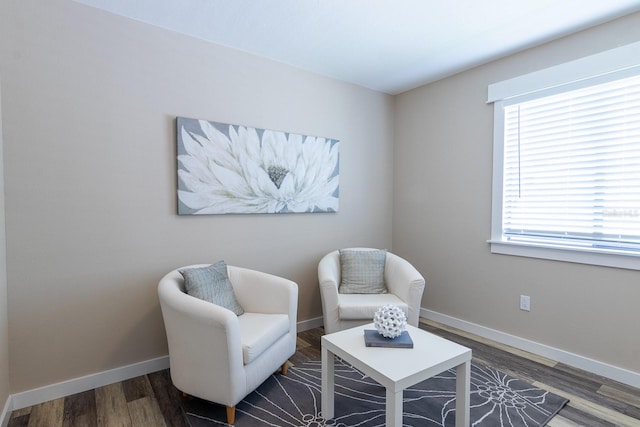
x=601, y=257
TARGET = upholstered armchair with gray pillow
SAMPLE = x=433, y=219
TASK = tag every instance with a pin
x=355, y=282
x=221, y=354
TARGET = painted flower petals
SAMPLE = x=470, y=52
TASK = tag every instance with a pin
x=237, y=169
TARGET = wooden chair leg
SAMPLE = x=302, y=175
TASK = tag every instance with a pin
x=284, y=368
x=231, y=415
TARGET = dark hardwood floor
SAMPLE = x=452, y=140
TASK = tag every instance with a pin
x=151, y=400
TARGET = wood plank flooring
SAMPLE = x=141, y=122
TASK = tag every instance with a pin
x=152, y=400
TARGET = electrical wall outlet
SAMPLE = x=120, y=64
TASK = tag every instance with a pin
x=525, y=303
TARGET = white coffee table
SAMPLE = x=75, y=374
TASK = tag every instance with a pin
x=397, y=368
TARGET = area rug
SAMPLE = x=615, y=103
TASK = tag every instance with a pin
x=294, y=400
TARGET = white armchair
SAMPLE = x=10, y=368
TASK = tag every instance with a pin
x=404, y=283
x=218, y=356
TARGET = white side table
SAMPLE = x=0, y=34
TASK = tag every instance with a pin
x=397, y=368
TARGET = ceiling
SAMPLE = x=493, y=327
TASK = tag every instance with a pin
x=387, y=45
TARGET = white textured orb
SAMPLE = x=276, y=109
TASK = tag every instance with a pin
x=390, y=321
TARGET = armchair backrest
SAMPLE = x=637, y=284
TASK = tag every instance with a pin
x=396, y=270
x=402, y=279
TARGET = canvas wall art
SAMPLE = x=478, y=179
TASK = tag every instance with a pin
x=233, y=169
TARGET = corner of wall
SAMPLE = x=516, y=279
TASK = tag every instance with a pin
x=4, y=317
x=5, y=415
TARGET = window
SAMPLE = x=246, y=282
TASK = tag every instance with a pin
x=567, y=163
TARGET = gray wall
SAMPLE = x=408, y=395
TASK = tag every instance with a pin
x=442, y=217
x=89, y=101
x=88, y=106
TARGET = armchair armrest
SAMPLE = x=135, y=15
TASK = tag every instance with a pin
x=401, y=277
x=406, y=282
x=259, y=292
x=329, y=271
x=329, y=280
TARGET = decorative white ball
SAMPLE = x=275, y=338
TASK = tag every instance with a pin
x=390, y=321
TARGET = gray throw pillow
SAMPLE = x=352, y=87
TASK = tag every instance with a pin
x=362, y=272
x=212, y=284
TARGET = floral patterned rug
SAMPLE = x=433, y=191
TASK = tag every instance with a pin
x=294, y=400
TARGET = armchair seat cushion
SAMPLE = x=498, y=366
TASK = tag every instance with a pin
x=364, y=306
x=260, y=331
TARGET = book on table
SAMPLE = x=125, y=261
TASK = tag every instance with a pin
x=373, y=338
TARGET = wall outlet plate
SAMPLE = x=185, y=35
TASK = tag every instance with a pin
x=525, y=303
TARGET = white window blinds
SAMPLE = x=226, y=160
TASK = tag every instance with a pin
x=572, y=168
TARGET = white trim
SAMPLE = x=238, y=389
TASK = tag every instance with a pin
x=583, y=69
x=306, y=325
x=595, y=69
x=88, y=382
x=590, y=365
x=6, y=412
x=612, y=258
x=498, y=171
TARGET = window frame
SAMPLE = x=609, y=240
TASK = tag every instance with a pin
x=595, y=69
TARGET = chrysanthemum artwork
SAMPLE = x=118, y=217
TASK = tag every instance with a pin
x=229, y=169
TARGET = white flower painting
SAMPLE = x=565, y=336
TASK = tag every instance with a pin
x=230, y=169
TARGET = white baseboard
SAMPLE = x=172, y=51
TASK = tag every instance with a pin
x=590, y=365
x=305, y=325
x=6, y=412
x=77, y=385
